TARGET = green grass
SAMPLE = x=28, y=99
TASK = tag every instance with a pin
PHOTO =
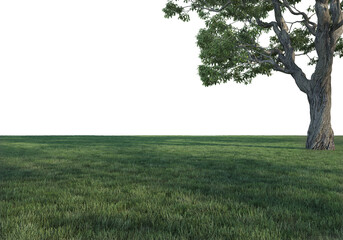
x=169, y=187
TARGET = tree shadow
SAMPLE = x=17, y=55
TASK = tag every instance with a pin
x=291, y=194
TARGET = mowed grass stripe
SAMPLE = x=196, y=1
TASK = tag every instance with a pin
x=169, y=187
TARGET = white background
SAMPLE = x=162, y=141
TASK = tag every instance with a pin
x=119, y=68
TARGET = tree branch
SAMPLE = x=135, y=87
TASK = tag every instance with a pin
x=337, y=20
x=265, y=56
x=311, y=26
x=335, y=11
x=280, y=60
x=337, y=26
x=288, y=60
x=281, y=30
x=265, y=24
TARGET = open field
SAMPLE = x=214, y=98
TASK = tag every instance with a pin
x=169, y=187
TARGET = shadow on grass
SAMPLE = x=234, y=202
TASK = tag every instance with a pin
x=291, y=195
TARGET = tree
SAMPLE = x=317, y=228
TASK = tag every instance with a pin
x=231, y=47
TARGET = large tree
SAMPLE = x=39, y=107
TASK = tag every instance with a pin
x=232, y=47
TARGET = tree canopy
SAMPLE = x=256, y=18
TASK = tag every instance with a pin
x=232, y=45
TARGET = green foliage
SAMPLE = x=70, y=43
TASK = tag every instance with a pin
x=302, y=40
x=169, y=187
x=230, y=43
x=226, y=52
x=339, y=48
x=173, y=9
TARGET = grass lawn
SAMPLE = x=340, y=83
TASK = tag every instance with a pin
x=169, y=187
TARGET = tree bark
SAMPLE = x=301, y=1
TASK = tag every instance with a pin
x=320, y=135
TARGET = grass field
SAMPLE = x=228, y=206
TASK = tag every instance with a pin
x=169, y=187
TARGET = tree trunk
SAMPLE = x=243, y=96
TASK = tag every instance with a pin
x=320, y=135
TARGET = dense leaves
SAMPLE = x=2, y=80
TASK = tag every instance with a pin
x=225, y=53
x=230, y=44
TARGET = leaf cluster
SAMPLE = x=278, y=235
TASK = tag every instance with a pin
x=225, y=53
x=230, y=46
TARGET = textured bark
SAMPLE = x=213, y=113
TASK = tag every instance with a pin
x=326, y=32
x=320, y=135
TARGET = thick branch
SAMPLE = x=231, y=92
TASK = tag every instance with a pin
x=325, y=41
x=278, y=16
x=265, y=24
x=335, y=11
x=337, y=26
x=280, y=60
x=281, y=31
x=337, y=22
x=311, y=26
